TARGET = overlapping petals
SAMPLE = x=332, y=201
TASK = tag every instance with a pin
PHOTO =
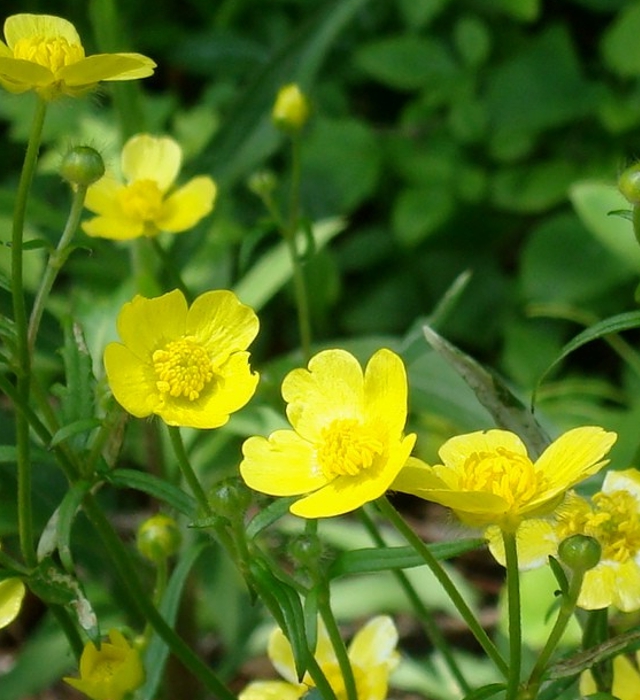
x=146, y=202
x=111, y=672
x=347, y=443
x=372, y=654
x=487, y=478
x=188, y=365
x=44, y=53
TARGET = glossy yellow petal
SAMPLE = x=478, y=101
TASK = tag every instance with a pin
x=17, y=75
x=132, y=382
x=5, y=50
x=456, y=450
x=626, y=594
x=624, y=480
x=536, y=541
x=417, y=476
x=574, y=456
x=597, y=587
x=102, y=197
x=385, y=392
x=146, y=157
x=27, y=26
x=106, y=66
x=626, y=679
x=146, y=324
x=281, y=655
x=184, y=208
x=282, y=465
x=222, y=324
x=332, y=387
x=375, y=644
x=113, y=229
x=12, y=592
x=273, y=690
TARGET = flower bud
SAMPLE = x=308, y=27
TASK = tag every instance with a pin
x=262, y=183
x=629, y=183
x=82, y=165
x=580, y=552
x=158, y=538
x=291, y=109
x=229, y=498
x=306, y=551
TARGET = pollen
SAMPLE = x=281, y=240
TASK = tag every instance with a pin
x=183, y=368
x=615, y=523
x=347, y=448
x=141, y=200
x=53, y=53
x=503, y=473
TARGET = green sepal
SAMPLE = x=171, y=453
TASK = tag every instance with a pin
x=559, y=573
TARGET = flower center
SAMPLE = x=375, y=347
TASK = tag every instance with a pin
x=615, y=523
x=183, y=368
x=348, y=447
x=141, y=200
x=51, y=52
x=106, y=665
x=507, y=474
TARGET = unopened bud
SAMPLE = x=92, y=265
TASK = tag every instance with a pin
x=158, y=538
x=291, y=109
x=82, y=165
x=580, y=552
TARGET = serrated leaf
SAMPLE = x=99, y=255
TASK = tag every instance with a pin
x=507, y=410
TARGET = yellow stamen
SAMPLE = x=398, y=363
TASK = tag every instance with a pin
x=615, y=523
x=51, y=52
x=347, y=448
x=141, y=200
x=183, y=368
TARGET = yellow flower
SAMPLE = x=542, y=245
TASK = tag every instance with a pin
x=291, y=108
x=347, y=444
x=626, y=680
x=372, y=654
x=12, y=592
x=45, y=54
x=111, y=672
x=146, y=203
x=188, y=365
x=487, y=478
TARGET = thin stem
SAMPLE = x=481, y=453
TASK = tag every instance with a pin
x=567, y=608
x=447, y=584
x=69, y=628
x=423, y=613
x=55, y=262
x=138, y=596
x=187, y=469
x=515, y=619
x=168, y=265
x=23, y=359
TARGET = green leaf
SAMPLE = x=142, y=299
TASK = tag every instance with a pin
x=419, y=212
x=507, y=410
x=594, y=202
x=407, y=62
x=157, y=651
x=619, y=46
x=418, y=13
x=371, y=559
x=472, y=39
x=83, y=425
x=486, y=691
x=269, y=515
x=154, y=486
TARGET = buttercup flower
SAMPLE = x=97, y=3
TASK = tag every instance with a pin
x=372, y=654
x=146, y=203
x=291, y=108
x=12, y=592
x=188, y=365
x=487, y=478
x=45, y=54
x=347, y=442
x=111, y=672
x=626, y=679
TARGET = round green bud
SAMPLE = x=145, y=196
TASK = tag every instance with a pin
x=629, y=183
x=306, y=551
x=82, y=165
x=580, y=552
x=158, y=538
x=262, y=183
x=230, y=498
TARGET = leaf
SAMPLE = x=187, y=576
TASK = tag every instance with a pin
x=420, y=212
x=486, y=691
x=83, y=425
x=619, y=45
x=154, y=486
x=269, y=515
x=507, y=410
x=157, y=651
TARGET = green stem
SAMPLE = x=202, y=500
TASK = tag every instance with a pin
x=55, y=262
x=567, y=608
x=422, y=612
x=346, y=670
x=170, y=268
x=23, y=359
x=138, y=596
x=447, y=584
x=515, y=617
x=69, y=628
x=187, y=470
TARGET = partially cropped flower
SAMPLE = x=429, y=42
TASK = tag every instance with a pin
x=12, y=592
x=487, y=478
x=347, y=444
x=188, y=365
x=372, y=654
x=45, y=54
x=291, y=108
x=626, y=679
x=111, y=672
x=147, y=202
